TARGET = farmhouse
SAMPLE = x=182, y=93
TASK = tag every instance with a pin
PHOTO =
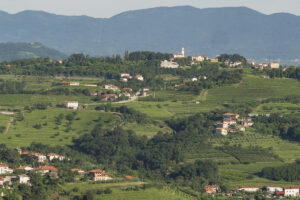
x=111, y=87
x=211, y=189
x=72, y=104
x=39, y=157
x=169, y=64
x=249, y=188
x=291, y=191
x=4, y=169
x=139, y=77
x=179, y=55
x=99, y=175
x=107, y=97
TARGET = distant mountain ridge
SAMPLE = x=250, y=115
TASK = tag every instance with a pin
x=210, y=32
x=17, y=51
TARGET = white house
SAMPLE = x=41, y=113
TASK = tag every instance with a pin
x=23, y=179
x=52, y=156
x=273, y=189
x=4, y=169
x=99, y=175
x=221, y=131
x=291, y=191
x=39, y=157
x=194, y=79
x=249, y=188
x=169, y=64
x=72, y=104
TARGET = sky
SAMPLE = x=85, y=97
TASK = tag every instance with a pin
x=108, y=8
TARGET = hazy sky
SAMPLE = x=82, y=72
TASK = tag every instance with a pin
x=107, y=8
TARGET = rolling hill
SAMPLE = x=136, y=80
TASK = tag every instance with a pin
x=16, y=51
x=210, y=32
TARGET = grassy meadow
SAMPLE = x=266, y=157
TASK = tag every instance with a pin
x=120, y=191
x=22, y=133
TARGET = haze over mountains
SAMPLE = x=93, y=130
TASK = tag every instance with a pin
x=208, y=32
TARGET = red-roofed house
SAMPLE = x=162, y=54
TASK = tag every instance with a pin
x=47, y=169
x=99, y=175
x=107, y=97
x=211, y=189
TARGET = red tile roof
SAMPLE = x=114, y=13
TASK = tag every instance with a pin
x=50, y=168
x=292, y=187
x=3, y=165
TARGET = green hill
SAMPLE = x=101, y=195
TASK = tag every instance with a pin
x=16, y=51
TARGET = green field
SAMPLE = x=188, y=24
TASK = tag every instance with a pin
x=22, y=133
x=119, y=191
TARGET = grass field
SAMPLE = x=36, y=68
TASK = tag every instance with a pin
x=22, y=133
x=120, y=193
